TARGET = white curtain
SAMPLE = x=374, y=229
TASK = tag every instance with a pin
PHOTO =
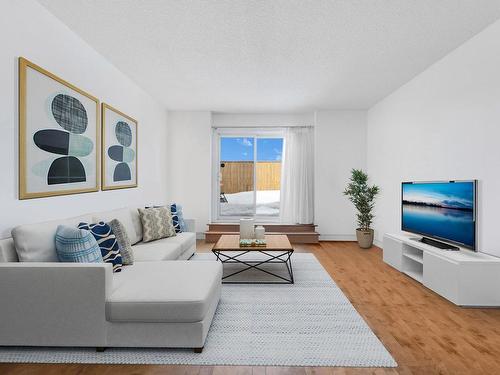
x=297, y=173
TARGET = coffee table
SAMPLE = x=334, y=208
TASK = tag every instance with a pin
x=277, y=250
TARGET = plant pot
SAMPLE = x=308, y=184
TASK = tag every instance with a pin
x=364, y=237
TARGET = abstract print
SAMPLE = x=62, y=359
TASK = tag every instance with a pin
x=119, y=149
x=122, y=153
x=58, y=135
x=71, y=115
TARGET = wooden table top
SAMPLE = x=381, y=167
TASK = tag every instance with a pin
x=228, y=242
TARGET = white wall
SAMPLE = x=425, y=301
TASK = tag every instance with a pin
x=29, y=30
x=189, y=164
x=340, y=145
x=444, y=124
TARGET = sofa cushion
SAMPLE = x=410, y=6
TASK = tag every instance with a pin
x=77, y=246
x=124, y=215
x=187, y=240
x=136, y=220
x=107, y=243
x=37, y=242
x=176, y=291
x=8, y=251
x=164, y=249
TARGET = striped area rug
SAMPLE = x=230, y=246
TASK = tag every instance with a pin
x=309, y=323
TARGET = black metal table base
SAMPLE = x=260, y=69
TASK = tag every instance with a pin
x=283, y=257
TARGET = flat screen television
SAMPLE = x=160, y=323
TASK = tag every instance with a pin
x=440, y=210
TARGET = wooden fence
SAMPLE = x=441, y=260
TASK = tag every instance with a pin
x=237, y=176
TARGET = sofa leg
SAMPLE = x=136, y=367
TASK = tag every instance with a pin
x=100, y=349
x=198, y=350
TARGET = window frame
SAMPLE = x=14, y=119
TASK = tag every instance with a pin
x=237, y=132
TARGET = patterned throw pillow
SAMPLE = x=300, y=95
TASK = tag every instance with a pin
x=107, y=242
x=156, y=223
x=76, y=245
x=175, y=218
x=180, y=215
x=123, y=241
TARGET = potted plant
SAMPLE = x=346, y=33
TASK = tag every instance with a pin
x=363, y=198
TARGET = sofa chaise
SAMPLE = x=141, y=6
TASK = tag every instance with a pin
x=162, y=300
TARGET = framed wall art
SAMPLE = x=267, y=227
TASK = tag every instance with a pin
x=58, y=135
x=119, y=149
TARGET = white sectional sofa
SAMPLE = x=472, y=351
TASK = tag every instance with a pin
x=162, y=300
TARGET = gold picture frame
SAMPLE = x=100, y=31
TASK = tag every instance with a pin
x=34, y=180
x=111, y=116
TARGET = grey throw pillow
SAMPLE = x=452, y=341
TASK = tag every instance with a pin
x=156, y=223
x=123, y=241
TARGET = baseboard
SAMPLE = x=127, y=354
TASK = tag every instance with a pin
x=200, y=235
x=345, y=237
x=337, y=237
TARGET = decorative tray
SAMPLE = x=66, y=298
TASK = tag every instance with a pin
x=253, y=243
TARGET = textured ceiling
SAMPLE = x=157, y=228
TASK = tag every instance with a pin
x=274, y=55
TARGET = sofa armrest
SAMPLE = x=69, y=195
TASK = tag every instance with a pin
x=56, y=304
x=190, y=225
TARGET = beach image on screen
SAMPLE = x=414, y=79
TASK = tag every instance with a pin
x=444, y=210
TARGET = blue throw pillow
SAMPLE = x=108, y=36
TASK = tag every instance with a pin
x=107, y=242
x=175, y=218
x=77, y=245
x=180, y=215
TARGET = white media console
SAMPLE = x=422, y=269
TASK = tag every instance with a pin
x=464, y=277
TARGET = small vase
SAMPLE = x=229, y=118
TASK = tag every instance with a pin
x=260, y=232
x=364, y=237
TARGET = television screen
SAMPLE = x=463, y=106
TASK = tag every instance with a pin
x=441, y=210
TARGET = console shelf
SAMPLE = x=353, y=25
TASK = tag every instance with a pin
x=464, y=277
x=415, y=275
x=417, y=256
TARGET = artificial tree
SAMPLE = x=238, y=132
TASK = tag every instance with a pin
x=363, y=197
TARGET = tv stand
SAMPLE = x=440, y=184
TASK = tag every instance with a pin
x=439, y=244
x=464, y=277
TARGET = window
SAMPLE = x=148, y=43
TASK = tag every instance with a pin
x=248, y=173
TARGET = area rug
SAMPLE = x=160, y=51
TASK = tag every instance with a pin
x=309, y=323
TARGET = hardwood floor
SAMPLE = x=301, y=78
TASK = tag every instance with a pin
x=425, y=333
